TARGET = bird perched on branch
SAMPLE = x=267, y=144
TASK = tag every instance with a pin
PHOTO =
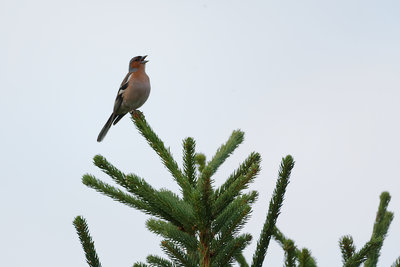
x=132, y=93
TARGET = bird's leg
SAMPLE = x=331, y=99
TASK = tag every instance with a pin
x=135, y=114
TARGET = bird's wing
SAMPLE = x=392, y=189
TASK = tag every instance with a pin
x=126, y=79
x=124, y=85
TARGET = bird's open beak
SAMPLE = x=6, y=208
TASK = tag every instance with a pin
x=144, y=61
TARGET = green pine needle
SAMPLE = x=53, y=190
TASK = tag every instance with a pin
x=347, y=248
x=396, y=263
x=304, y=253
x=158, y=261
x=109, y=169
x=234, y=212
x=177, y=254
x=305, y=259
x=381, y=226
x=279, y=237
x=241, y=260
x=225, y=151
x=234, y=247
x=234, y=189
x=358, y=258
x=273, y=211
x=139, y=264
x=173, y=233
x=290, y=253
x=200, y=159
x=252, y=160
x=189, y=160
x=165, y=154
x=87, y=243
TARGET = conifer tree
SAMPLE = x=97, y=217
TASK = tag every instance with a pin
x=201, y=225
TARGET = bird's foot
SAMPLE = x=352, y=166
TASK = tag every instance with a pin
x=135, y=114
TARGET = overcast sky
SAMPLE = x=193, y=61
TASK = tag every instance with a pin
x=315, y=79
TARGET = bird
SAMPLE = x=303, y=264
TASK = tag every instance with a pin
x=132, y=94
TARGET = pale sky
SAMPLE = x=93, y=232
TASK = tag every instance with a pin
x=315, y=79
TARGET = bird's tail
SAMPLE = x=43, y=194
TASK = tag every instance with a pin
x=106, y=127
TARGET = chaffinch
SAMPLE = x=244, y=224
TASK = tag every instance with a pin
x=132, y=93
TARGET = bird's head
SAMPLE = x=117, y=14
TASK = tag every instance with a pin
x=137, y=62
